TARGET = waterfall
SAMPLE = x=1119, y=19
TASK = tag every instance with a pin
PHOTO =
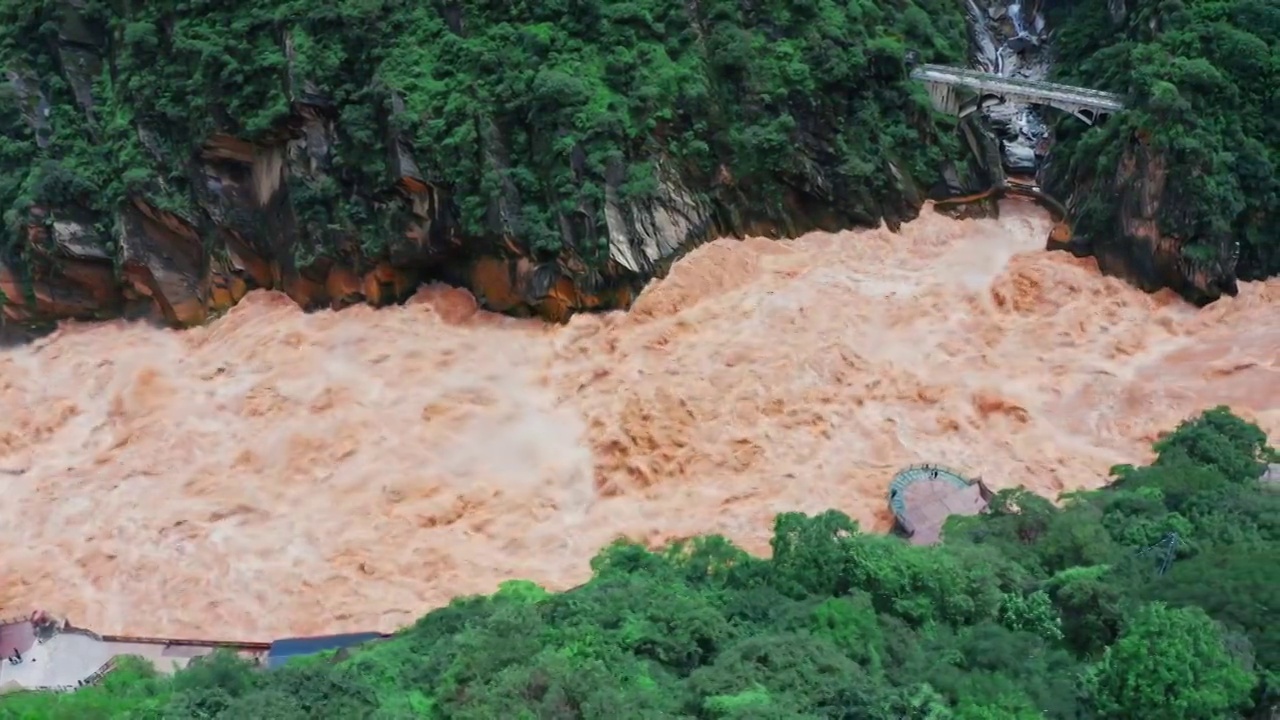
x=1015, y=13
x=1006, y=43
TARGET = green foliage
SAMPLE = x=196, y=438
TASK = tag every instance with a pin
x=1029, y=611
x=1167, y=663
x=1201, y=76
x=1220, y=441
x=1237, y=586
x=524, y=110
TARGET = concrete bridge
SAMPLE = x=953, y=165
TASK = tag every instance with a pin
x=960, y=91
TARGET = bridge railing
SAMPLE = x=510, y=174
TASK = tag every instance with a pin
x=96, y=676
x=1009, y=80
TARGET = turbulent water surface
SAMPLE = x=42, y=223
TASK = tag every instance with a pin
x=279, y=473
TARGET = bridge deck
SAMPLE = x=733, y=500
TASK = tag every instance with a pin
x=1029, y=88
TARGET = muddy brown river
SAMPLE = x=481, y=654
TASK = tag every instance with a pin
x=280, y=473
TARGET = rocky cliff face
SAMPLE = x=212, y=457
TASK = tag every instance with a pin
x=1180, y=190
x=280, y=207
x=1128, y=241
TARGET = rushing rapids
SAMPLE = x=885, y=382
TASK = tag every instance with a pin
x=278, y=473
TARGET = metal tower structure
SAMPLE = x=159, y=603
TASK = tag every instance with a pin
x=1165, y=551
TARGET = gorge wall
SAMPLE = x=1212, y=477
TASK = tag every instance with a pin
x=552, y=159
x=1181, y=190
x=164, y=163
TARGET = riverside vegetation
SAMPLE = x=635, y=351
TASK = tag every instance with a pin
x=557, y=133
x=614, y=81
x=524, y=116
x=1030, y=611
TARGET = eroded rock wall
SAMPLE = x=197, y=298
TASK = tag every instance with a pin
x=1129, y=242
x=239, y=211
x=1179, y=190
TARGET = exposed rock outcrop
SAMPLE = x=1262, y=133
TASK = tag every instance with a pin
x=1179, y=190
x=1132, y=245
x=1128, y=241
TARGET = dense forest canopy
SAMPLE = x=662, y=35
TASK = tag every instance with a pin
x=1203, y=78
x=1030, y=611
x=522, y=109
x=434, y=133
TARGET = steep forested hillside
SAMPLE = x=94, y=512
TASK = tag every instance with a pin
x=1182, y=189
x=185, y=150
x=166, y=157
x=1031, y=611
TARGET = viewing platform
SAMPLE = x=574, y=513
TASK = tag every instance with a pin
x=922, y=497
x=39, y=653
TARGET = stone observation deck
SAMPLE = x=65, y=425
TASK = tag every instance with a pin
x=922, y=497
x=961, y=91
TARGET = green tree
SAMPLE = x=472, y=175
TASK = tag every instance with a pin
x=1168, y=663
x=1219, y=440
x=1199, y=79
